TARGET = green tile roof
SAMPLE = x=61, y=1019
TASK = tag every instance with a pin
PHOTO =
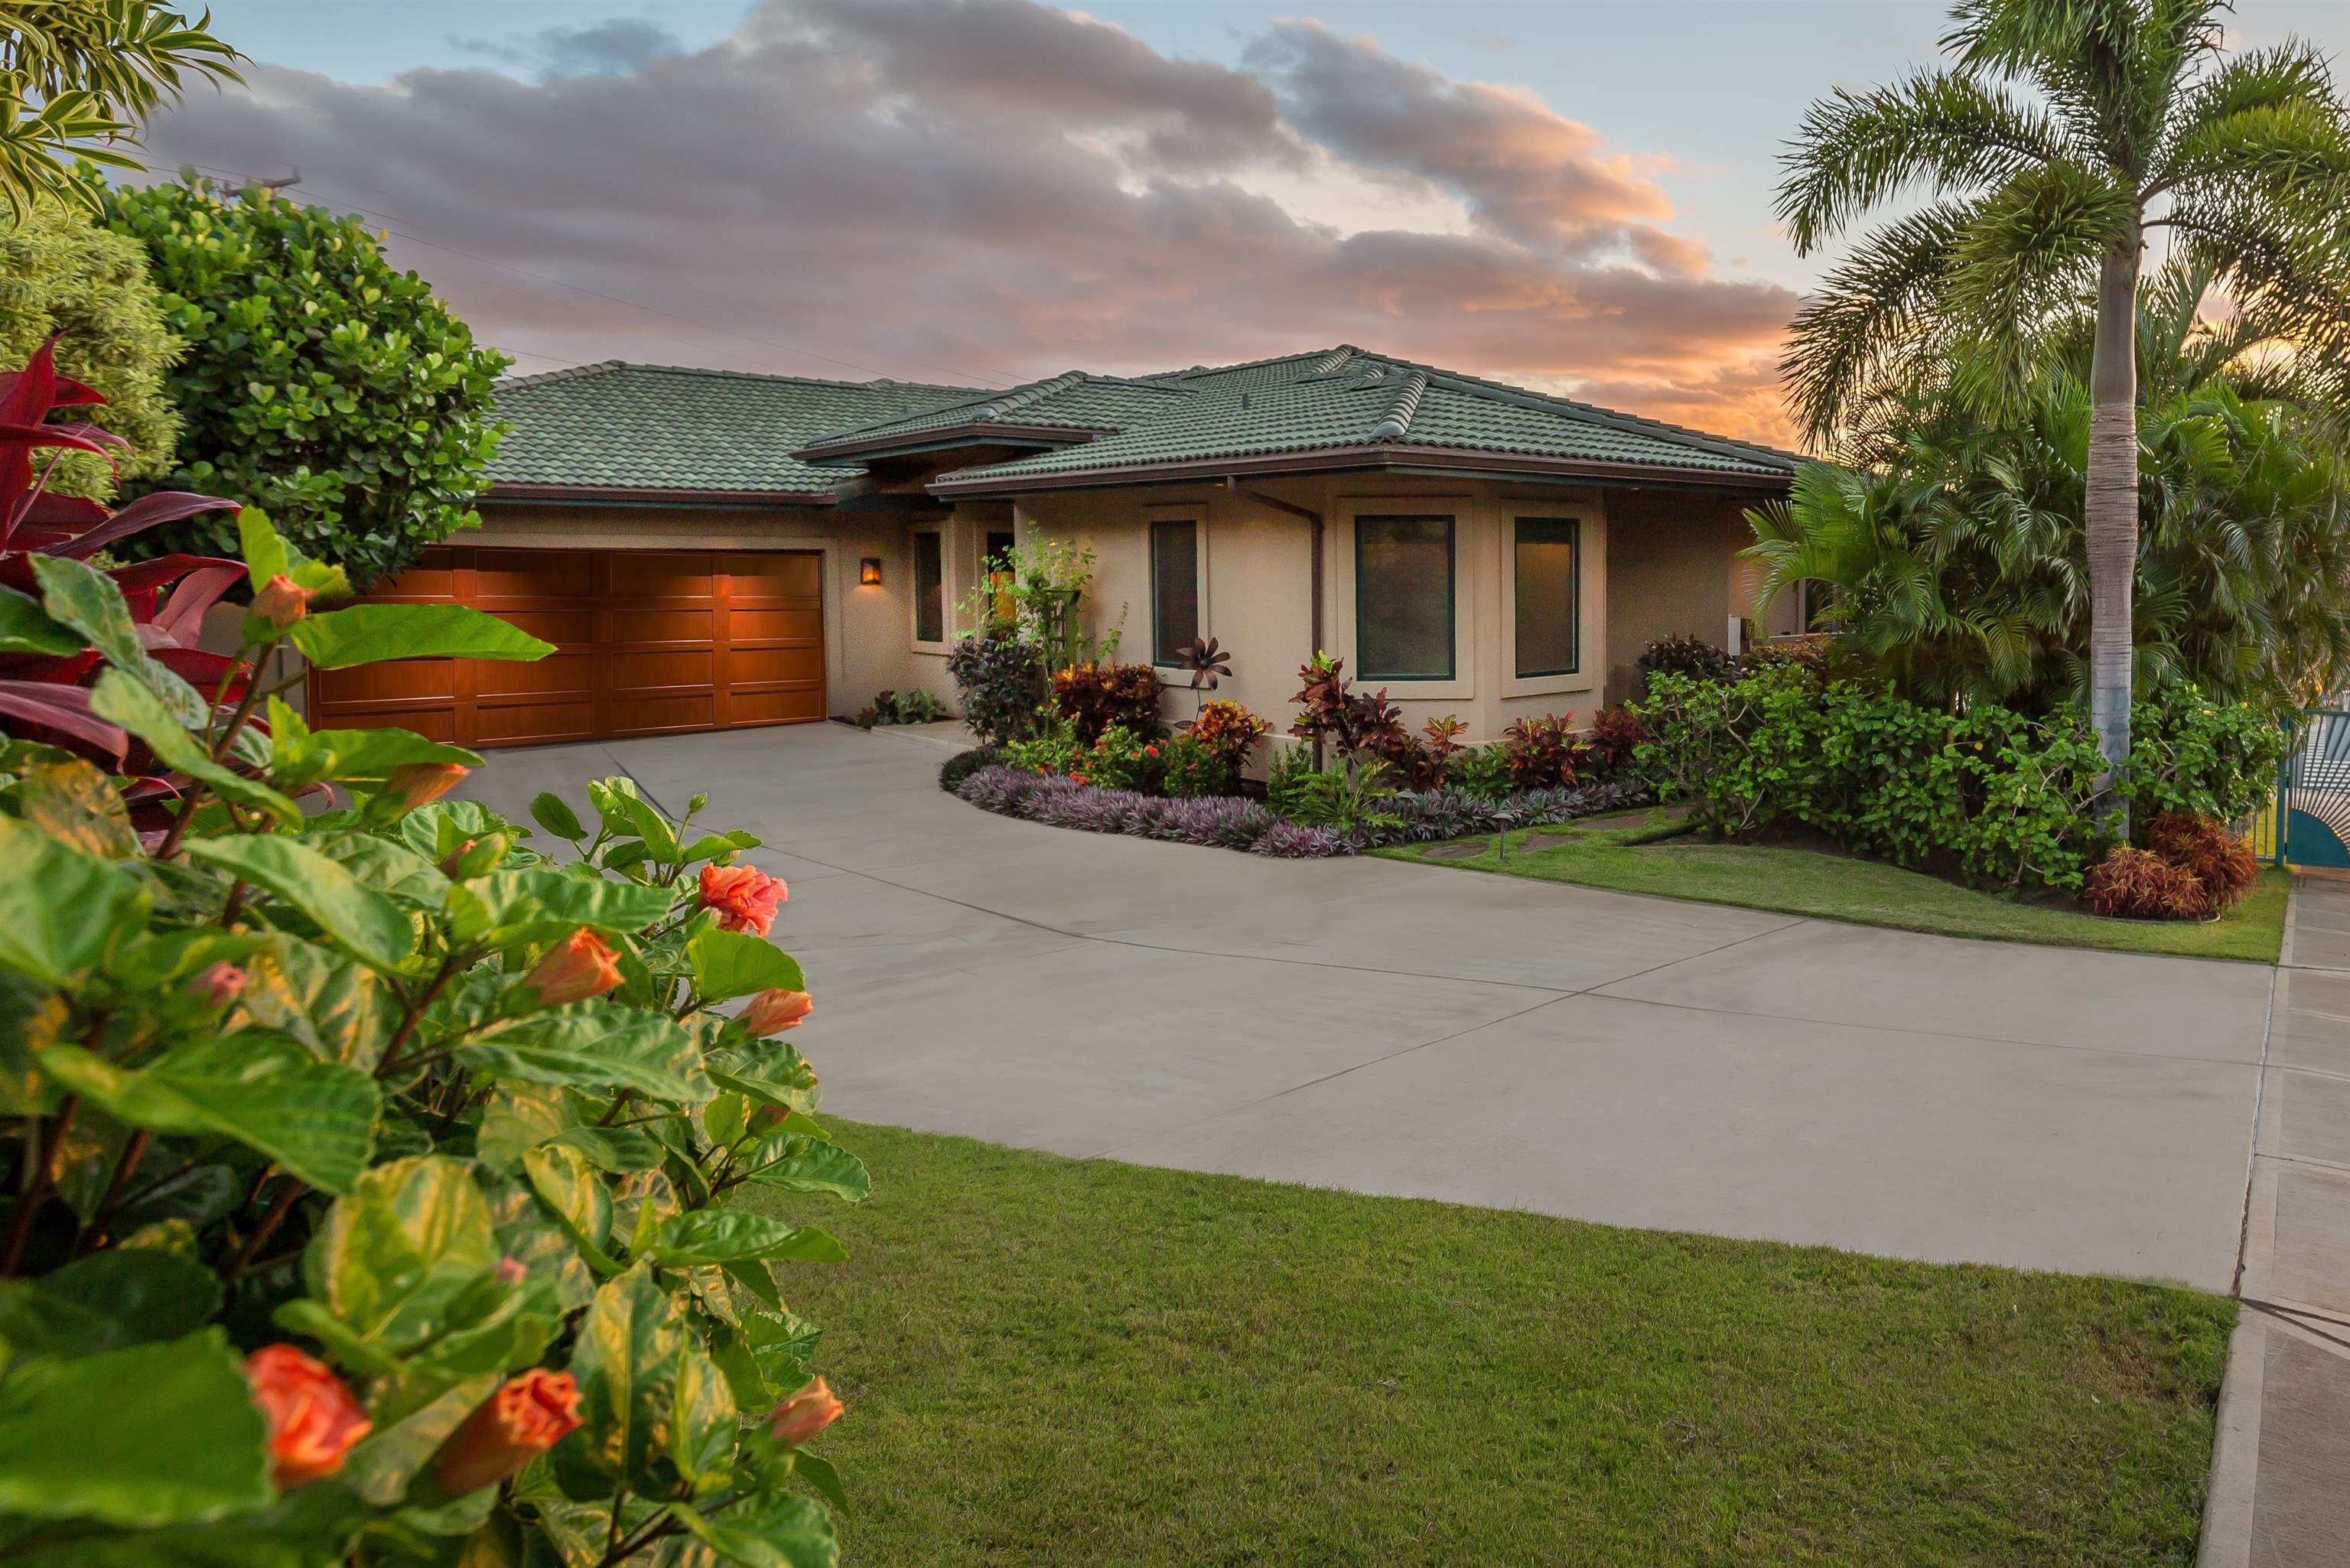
x=621, y=426
x=1075, y=402
x=1337, y=399
x=658, y=427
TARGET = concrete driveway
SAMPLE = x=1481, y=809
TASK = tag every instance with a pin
x=1419, y=1031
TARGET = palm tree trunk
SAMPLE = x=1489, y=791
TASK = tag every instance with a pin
x=2110, y=511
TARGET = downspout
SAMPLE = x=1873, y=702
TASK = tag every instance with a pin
x=1314, y=534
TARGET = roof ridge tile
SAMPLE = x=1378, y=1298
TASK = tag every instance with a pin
x=1396, y=420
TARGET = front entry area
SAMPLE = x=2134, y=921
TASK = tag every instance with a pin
x=648, y=642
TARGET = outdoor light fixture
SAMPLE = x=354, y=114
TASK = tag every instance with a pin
x=869, y=571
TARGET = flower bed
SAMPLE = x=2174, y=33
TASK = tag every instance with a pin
x=1232, y=822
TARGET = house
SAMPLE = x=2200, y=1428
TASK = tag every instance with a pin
x=710, y=549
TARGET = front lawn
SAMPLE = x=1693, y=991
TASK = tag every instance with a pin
x=1059, y=1362
x=1867, y=892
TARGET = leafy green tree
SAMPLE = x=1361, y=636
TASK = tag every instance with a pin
x=1954, y=556
x=2067, y=132
x=76, y=76
x=61, y=273
x=321, y=384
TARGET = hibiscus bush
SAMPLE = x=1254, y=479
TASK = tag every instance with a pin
x=365, y=1189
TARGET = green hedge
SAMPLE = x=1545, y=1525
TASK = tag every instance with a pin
x=1994, y=796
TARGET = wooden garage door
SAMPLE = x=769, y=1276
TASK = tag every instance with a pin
x=647, y=642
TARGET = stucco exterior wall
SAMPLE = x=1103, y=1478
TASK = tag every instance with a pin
x=1674, y=568
x=1651, y=561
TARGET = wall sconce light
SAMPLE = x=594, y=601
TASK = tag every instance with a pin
x=869, y=571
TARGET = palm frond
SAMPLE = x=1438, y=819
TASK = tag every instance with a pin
x=1941, y=130
x=1874, y=317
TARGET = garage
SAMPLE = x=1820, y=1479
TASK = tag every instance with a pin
x=648, y=642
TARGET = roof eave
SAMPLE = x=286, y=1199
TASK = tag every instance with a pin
x=635, y=494
x=1386, y=455
x=972, y=433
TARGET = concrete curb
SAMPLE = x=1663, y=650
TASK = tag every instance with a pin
x=2227, y=1537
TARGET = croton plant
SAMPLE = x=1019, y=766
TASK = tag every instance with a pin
x=368, y=1171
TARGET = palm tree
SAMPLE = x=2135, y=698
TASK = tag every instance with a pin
x=2065, y=132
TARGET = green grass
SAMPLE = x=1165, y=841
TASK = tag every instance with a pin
x=1867, y=892
x=1050, y=1361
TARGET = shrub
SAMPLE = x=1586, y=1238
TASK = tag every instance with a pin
x=1482, y=772
x=1000, y=683
x=2223, y=864
x=1995, y=796
x=1052, y=748
x=1284, y=780
x=1358, y=724
x=1094, y=697
x=963, y=764
x=1992, y=794
x=320, y=383
x=1227, y=731
x=1345, y=798
x=62, y=274
x=1686, y=655
x=914, y=707
x=1190, y=770
x=378, y=1078
x=2137, y=884
x=1541, y=751
x=1613, y=741
x=2207, y=759
x=1295, y=841
x=1419, y=760
x=1120, y=759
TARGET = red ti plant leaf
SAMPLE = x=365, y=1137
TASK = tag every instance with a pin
x=182, y=619
x=147, y=512
x=27, y=396
x=63, y=710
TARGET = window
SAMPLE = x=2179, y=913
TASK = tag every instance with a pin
x=1548, y=637
x=1403, y=598
x=930, y=589
x=1174, y=589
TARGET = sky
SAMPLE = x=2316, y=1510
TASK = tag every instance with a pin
x=1574, y=196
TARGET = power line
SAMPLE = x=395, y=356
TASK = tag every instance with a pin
x=389, y=219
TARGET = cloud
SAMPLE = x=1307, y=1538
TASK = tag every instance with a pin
x=993, y=188
x=1526, y=171
x=613, y=48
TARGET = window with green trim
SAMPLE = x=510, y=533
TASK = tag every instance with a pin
x=1174, y=588
x=929, y=588
x=1546, y=583
x=1403, y=598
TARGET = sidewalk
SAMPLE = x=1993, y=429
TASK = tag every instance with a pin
x=2281, y=1475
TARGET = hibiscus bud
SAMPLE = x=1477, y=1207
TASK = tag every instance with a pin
x=521, y=1421
x=313, y=1419
x=219, y=985
x=806, y=1414
x=772, y=1011
x=475, y=857
x=413, y=783
x=510, y=1272
x=281, y=601
x=744, y=896
x=575, y=969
